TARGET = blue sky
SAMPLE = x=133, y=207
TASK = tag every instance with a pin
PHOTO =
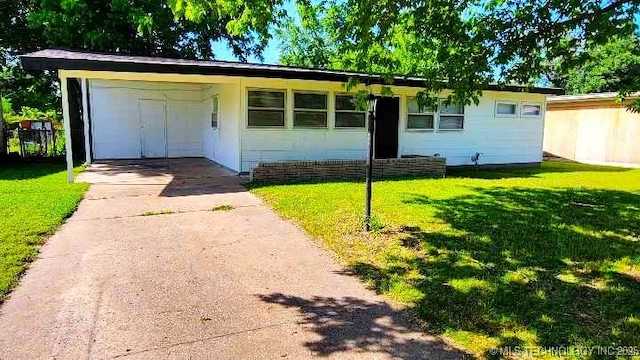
x=271, y=53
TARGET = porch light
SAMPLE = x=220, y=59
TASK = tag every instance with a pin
x=371, y=101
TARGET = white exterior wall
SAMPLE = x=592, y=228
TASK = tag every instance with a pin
x=501, y=140
x=289, y=143
x=222, y=145
x=115, y=121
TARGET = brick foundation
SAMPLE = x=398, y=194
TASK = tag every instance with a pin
x=327, y=170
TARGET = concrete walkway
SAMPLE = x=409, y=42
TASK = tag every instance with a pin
x=193, y=283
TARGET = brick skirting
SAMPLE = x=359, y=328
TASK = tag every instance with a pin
x=327, y=170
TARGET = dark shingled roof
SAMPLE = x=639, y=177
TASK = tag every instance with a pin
x=53, y=59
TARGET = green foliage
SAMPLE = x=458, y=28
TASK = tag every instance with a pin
x=139, y=26
x=310, y=44
x=244, y=24
x=461, y=45
x=531, y=258
x=26, y=90
x=612, y=66
x=142, y=27
x=34, y=200
x=6, y=107
x=29, y=113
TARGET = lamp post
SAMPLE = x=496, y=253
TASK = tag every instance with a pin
x=371, y=100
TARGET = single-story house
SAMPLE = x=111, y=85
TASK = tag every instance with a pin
x=592, y=128
x=241, y=114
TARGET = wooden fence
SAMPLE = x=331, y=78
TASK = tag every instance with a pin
x=601, y=131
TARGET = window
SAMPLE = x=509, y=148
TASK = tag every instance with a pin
x=451, y=117
x=506, y=108
x=214, y=113
x=531, y=110
x=346, y=114
x=419, y=118
x=266, y=108
x=310, y=110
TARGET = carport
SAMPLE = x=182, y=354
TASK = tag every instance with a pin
x=143, y=108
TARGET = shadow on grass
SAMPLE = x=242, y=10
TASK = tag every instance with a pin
x=525, y=267
x=546, y=167
x=29, y=170
x=356, y=325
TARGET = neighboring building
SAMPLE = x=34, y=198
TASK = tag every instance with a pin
x=239, y=114
x=592, y=128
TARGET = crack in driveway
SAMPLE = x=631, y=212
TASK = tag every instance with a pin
x=189, y=342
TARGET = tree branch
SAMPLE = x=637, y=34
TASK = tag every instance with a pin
x=590, y=15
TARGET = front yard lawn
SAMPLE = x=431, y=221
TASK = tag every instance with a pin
x=34, y=200
x=536, y=258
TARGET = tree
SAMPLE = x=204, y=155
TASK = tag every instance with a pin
x=140, y=27
x=309, y=44
x=461, y=45
x=246, y=23
x=612, y=66
x=26, y=90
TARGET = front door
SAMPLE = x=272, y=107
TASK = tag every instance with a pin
x=153, y=127
x=386, y=135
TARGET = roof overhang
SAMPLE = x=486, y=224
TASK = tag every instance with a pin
x=80, y=60
x=594, y=97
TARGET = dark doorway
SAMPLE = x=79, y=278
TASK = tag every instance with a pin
x=386, y=136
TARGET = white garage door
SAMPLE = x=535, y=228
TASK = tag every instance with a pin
x=131, y=124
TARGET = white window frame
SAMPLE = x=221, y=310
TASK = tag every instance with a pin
x=283, y=109
x=463, y=115
x=295, y=109
x=434, y=114
x=215, y=100
x=336, y=111
x=507, y=102
x=532, y=103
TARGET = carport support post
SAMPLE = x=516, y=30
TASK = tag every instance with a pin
x=66, y=121
x=85, y=120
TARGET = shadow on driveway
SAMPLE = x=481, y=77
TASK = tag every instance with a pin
x=351, y=324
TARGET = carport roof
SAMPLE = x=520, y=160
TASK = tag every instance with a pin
x=56, y=59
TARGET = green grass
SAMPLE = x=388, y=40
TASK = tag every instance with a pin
x=34, y=200
x=536, y=258
x=157, y=212
x=222, y=208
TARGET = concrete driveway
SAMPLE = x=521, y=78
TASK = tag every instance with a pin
x=146, y=270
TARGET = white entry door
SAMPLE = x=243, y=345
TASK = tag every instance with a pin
x=153, y=124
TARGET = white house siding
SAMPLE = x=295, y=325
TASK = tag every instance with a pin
x=501, y=140
x=222, y=145
x=289, y=143
x=116, y=129
x=115, y=122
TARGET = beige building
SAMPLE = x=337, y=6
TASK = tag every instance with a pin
x=592, y=128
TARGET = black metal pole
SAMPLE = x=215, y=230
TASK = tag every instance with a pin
x=367, y=208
